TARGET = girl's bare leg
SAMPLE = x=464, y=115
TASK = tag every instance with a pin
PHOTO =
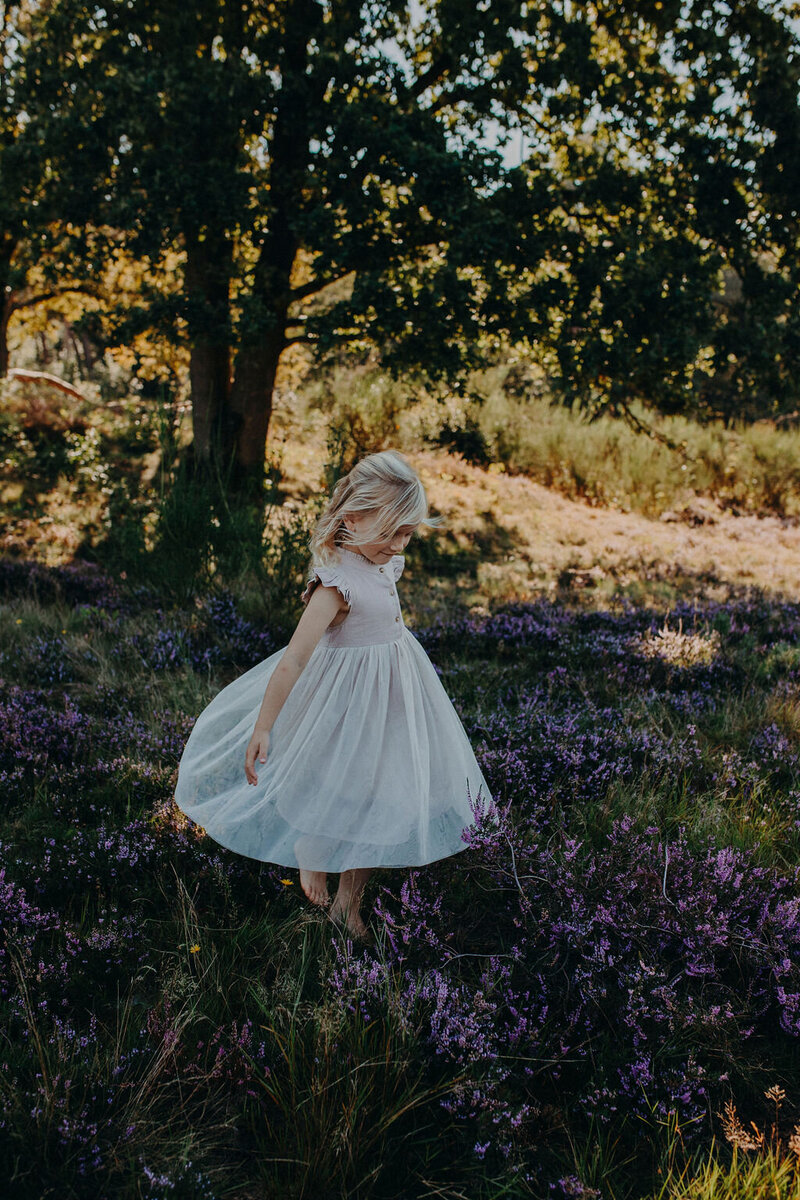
x=347, y=901
x=315, y=886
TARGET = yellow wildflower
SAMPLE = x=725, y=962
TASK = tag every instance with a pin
x=287, y=881
x=195, y=948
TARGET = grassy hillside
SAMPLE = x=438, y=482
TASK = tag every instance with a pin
x=506, y=416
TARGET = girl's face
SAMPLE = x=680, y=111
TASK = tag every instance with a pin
x=378, y=552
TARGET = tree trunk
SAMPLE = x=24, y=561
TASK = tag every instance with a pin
x=5, y=316
x=259, y=354
x=258, y=357
x=208, y=273
x=6, y=307
x=251, y=408
x=209, y=380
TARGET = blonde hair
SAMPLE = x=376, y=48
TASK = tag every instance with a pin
x=383, y=485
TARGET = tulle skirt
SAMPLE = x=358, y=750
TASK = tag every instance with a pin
x=368, y=765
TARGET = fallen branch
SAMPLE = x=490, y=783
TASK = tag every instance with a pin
x=42, y=377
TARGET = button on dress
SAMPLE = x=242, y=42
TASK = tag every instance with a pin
x=368, y=764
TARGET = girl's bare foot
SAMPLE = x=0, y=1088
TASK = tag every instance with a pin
x=352, y=922
x=347, y=901
x=315, y=886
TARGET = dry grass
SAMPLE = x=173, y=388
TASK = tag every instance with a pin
x=530, y=541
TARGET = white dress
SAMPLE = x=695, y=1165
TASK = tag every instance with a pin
x=368, y=764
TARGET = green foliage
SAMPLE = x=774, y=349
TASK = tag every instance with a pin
x=199, y=541
x=40, y=255
x=181, y=533
x=745, y=468
x=363, y=408
x=336, y=176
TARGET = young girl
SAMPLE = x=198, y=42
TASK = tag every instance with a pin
x=362, y=760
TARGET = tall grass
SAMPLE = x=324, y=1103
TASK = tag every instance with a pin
x=768, y=1176
x=495, y=418
x=746, y=469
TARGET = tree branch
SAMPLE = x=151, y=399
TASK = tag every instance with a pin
x=458, y=95
x=434, y=74
x=16, y=305
x=342, y=336
x=53, y=381
x=315, y=285
x=638, y=426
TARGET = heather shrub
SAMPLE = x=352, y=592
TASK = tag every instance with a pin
x=71, y=584
x=87, y=1108
x=639, y=979
x=617, y=956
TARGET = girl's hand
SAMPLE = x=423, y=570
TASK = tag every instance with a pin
x=257, y=748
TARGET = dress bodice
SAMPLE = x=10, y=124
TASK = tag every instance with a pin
x=371, y=591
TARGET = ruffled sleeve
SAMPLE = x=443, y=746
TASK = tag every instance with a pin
x=398, y=562
x=328, y=577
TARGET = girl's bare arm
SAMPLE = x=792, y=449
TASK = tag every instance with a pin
x=322, y=608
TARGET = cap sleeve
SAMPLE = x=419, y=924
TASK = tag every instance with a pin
x=328, y=577
x=398, y=562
